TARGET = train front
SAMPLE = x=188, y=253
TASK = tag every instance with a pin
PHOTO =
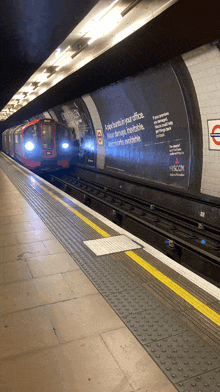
x=48, y=145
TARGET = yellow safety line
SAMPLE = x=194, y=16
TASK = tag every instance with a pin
x=77, y=213
x=197, y=304
x=91, y=224
x=215, y=317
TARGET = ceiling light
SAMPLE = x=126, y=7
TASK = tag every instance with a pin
x=64, y=61
x=41, y=74
x=123, y=34
x=29, y=89
x=59, y=55
x=129, y=30
x=19, y=96
x=57, y=80
x=84, y=62
x=58, y=52
x=164, y=5
x=104, y=26
x=89, y=26
x=64, y=64
x=102, y=13
x=42, y=77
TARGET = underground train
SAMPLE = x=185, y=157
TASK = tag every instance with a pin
x=42, y=144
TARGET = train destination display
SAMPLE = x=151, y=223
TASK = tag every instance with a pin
x=146, y=127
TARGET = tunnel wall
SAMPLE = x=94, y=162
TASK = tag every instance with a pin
x=191, y=103
x=204, y=67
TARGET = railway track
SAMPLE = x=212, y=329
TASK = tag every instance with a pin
x=190, y=243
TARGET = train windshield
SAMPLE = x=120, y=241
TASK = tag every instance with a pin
x=47, y=135
x=62, y=132
x=31, y=132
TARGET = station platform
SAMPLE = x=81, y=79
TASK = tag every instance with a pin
x=86, y=306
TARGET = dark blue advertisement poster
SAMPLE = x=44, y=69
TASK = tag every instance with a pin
x=146, y=127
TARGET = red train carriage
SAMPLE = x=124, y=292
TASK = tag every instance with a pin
x=42, y=143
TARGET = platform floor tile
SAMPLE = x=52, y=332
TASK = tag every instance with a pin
x=135, y=364
x=22, y=251
x=15, y=227
x=51, y=264
x=10, y=211
x=8, y=240
x=84, y=365
x=26, y=331
x=53, y=246
x=14, y=271
x=18, y=296
x=34, y=236
x=79, y=283
x=83, y=317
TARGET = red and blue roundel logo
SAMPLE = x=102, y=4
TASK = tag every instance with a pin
x=215, y=135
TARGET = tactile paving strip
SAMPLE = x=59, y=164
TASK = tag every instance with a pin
x=127, y=303
x=155, y=324
x=185, y=356
x=208, y=382
x=93, y=235
x=187, y=360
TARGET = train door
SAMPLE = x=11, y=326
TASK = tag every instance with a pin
x=4, y=141
x=48, y=138
x=6, y=133
x=17, y=143
x=11, y=143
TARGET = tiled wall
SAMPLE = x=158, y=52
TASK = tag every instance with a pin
x=204, y=66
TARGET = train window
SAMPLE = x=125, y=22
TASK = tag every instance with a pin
x=17, y=137
x=10, y=136
x=47, y=135
x=31, y=131
x=47, y=131
x=62, y=133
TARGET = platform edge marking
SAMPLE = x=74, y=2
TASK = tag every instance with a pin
x=77, y=213
x=197, y=304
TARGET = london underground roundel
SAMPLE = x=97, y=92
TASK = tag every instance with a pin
x=214, y=134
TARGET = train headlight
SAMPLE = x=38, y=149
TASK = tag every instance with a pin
x=65, y=145
x=88, y=146
x=29, y=146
